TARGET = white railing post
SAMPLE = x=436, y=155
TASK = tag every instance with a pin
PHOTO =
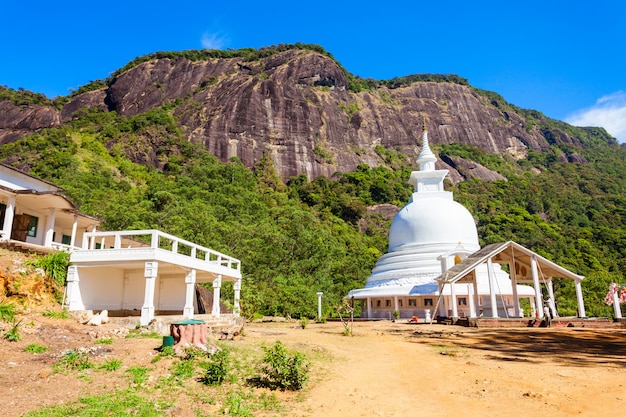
x=154, y=242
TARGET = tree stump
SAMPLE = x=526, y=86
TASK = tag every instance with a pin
x=189, y=333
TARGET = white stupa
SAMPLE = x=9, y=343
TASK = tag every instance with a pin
x=428, y=236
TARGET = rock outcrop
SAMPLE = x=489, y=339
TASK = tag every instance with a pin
x=295, y=106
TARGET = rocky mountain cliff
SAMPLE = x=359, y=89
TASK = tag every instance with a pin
x=296, y=106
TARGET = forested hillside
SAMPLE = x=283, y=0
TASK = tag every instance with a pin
x=303, y=235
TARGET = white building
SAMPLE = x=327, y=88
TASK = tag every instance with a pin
x=34, y=214
x=140, y=273
x=146, y=273
x=431, y=268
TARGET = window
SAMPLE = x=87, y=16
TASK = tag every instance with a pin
x=412, y=302
x=462, y=301
x=32, y=226
x=428, y=302
x=65, y=239
x=377, y=303
x=387, y=303
x=399, y=303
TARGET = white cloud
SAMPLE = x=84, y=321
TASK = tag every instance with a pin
x=213, y=41
x=609, y=112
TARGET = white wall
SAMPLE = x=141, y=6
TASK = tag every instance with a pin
x=100, y=288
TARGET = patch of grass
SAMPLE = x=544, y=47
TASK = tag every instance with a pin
x=448, y=350
x=7, y=311
x=105, y=341
x=64, y=314
x=138, y=374
x=236, y=404
x=73, y=360
x=142, y=334
x=111, y=365
x=120, y=404
x=35, y=348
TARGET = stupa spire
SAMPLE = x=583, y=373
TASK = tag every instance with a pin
x=426, y=159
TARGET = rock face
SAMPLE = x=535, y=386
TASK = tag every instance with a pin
x=295, y=107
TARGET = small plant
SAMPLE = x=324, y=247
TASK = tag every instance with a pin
x=13, y=334
x=284, y=371
x=236, y=404
x=104, y=341
x=73, y=360
x=35, y=348
x=304, y=322
x=396, y=315
x=111, y=365
x=217, y=369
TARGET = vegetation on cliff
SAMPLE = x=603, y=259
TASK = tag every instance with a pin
x=305, y=236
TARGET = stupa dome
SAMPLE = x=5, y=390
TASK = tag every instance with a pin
x=432, y=221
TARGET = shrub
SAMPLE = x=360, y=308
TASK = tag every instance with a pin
x=55, y=265
x=217, y=369
x=283, y=371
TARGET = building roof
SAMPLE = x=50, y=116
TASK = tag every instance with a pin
x=507, y=252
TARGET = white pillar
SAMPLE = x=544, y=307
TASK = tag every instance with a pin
x=217, y=284
x=147, y=310
x=50, y=228
x=538, y=296
x=74, y=228
x=9, y=214
x=470, y=298
x=476, y=296
x=237, y=291
x=319, y=305
x=551, y=298
x=395, y=304
x=74, y=298
x=442, y=307
x=516, y=307
x=579, y=297
x=492, y=289
x=190, y=292
x=455, y=310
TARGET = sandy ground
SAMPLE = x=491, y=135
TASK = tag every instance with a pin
x=384, y=369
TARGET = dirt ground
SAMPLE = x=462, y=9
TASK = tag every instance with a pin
x=385, y=369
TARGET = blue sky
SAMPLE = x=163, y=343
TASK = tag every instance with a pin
x=565, y=59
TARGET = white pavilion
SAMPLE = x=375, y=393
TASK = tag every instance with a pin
x=435, y=267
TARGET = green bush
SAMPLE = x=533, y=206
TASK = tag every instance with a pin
x=55, y=265
x=282, y=370
x=217, y=369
